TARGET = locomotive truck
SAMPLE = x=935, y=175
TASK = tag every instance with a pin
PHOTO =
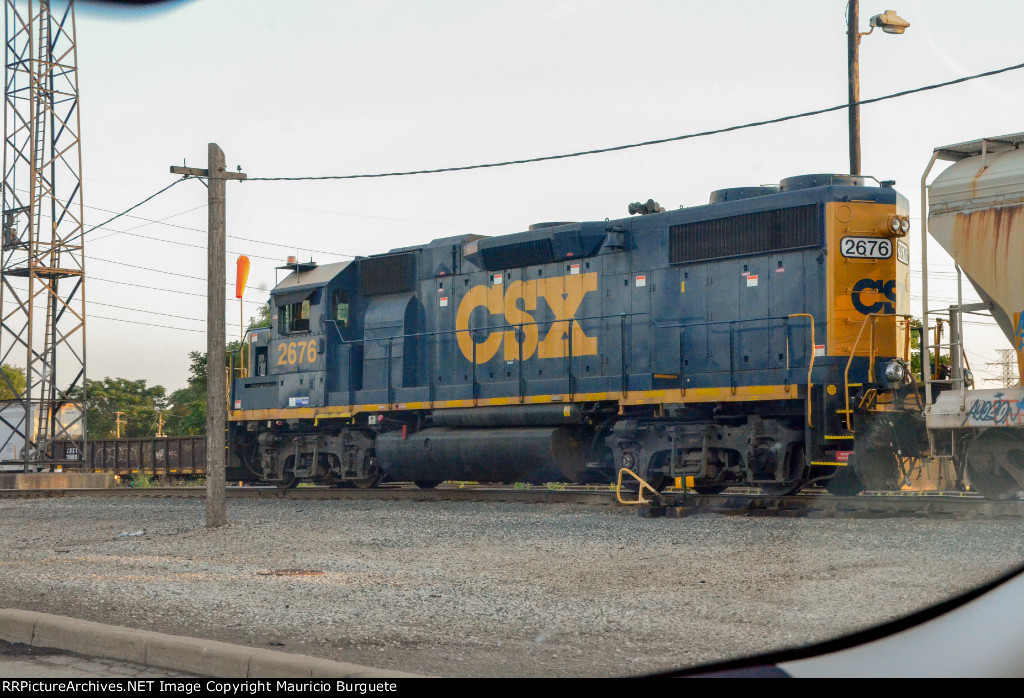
x=762, y=340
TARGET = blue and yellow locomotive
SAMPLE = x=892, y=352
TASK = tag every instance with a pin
x=760, y=340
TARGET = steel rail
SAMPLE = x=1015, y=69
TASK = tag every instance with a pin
x=949, y=505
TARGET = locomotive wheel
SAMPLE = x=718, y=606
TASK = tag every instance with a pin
x=373, y=475
x=289, y=482
x=995, y=465
x=844, y=483
x=877, y=468
x=427, y=484
x=367, y=483
x=874, y=458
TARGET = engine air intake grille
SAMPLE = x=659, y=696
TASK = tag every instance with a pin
x=518, y=254
x=751, y=233
x=390, y=274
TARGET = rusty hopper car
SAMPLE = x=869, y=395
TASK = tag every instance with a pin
x=975, y=210
x=755, y=340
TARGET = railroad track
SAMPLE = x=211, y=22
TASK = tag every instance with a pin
x=574, y=495
x=672, y=504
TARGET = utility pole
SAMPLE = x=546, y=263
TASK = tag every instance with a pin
x=119, y=415
x=160, y=425
x=853, y=70
x=216, y=358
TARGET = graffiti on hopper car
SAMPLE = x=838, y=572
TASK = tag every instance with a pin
x=996, y=411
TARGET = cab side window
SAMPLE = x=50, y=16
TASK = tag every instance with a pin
x=295, y=318
x=339, y=301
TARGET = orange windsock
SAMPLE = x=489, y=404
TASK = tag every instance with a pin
x=242, y=276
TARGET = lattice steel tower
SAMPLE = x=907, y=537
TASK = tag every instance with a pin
x=1007, y=366
x=42, y=260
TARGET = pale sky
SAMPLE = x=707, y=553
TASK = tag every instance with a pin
x=347, y=87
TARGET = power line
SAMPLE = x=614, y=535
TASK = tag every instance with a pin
x=149, y=221
x=158, y=271
x=168, y=290
x=657, y=141
x=178, y=242
x=199, y=230
x=139, y=322
x=189, y=244
x=147, y=324
x=140, y=310
x=147, y=199
x=156, y=288
x=163, y=221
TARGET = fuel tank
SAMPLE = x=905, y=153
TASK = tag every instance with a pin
x=529, y=454
x=976, y=212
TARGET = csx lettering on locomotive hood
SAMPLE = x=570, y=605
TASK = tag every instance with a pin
x=563, y=296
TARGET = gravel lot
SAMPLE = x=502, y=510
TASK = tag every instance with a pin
x=475, y=589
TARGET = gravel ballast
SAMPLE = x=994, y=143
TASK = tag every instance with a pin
x=484, y=589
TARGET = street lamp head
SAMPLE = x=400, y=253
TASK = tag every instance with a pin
x=890, y=22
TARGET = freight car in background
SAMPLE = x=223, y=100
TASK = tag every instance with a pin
x=164, y=458
x=760, y=340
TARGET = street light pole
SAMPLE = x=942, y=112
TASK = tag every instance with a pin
x=890, y=23
x=853, y=68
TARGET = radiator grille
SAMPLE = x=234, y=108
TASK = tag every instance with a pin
x=751, y=233
x=518, y=254
x=391, y=274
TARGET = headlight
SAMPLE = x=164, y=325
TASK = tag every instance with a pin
x=895, y=372
x=894, y=224
x=905, y=225
x=628, y=461
x=968, y=378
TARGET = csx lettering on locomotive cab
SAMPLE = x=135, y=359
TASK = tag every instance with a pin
x=515, y=301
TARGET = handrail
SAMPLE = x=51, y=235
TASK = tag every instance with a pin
x=810, y=368
x=538, y=323
x=873, y=317
x=571, y=322
x=925, y=349
x=640, y=493
x=230, y=371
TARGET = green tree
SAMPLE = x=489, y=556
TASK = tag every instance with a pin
x=915, y=350
x=261, y=318
x=187, y=415
x=139, y=403
x=16, y=377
